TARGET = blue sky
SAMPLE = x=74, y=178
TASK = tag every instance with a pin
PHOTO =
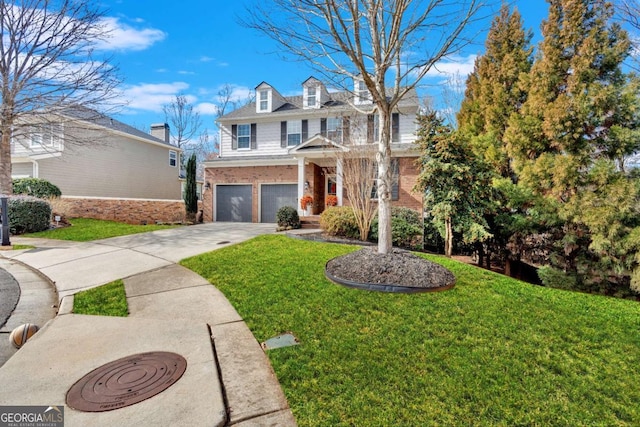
x=164, y=48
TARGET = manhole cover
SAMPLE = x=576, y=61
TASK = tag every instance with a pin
x=126, y=381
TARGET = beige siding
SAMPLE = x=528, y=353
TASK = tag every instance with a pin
x=109, y=165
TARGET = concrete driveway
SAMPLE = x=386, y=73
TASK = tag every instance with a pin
x=75, y=266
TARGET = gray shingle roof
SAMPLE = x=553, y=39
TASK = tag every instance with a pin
x=92, y=116
x=338, y=100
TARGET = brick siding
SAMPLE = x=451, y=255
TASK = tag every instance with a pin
x=289, y=174
x=131, y=211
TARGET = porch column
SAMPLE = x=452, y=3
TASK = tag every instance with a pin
x=339, y=181
x=301, y=171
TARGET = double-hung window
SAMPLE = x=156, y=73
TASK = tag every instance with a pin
x=46, y=135
x=334, y=129
x=363, y=92
x=244, y=136
x=294, y=132
x=173, y=158
x=311, y=97
x=264, y=100
x=395, y=181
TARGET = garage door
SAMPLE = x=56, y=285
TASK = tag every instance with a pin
x=233, y=203
x=275, y=196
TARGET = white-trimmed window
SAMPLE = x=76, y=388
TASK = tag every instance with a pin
x=311, y=97
x=46, y=135
x=294, y=132
x=263, y=99
x=334, y=129
x=173, y=158
x=244, y=136
x=363, y=92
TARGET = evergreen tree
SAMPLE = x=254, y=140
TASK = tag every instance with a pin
x=580, y=116
x=493, y=92
x=456, y=183
x=190, y=191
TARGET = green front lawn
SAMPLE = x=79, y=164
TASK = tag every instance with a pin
x=83, y=230
x=492, y=351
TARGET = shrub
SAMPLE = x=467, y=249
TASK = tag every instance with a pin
x=340, y=221
x=406, y=228
x=288, y=218
x=28, y=214
x=36, y=187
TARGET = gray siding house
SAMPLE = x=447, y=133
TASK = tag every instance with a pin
x=104, y=168
x=89, y=155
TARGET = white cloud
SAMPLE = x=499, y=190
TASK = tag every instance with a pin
x=454, y=66
x=151, y=97
x=207, y=109
x=124, y=37
x=188, y=73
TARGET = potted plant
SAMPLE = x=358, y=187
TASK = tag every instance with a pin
x=305, y=202
x=331, y=200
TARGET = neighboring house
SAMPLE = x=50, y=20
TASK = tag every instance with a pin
x=103, y=167
x=277, y=149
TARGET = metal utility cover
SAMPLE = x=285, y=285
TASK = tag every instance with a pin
x=284, y=340
x=126, y=381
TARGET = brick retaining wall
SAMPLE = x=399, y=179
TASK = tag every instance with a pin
x=132, y=211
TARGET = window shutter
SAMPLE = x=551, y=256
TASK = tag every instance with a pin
x=395, y=179
x=305, y=130
x=234, y=137
x=323, y=127
x=254, y=136
x=370, y=128
x=395, y=127
x=346, y=129
x=283, y=134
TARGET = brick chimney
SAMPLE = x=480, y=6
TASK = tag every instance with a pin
x=161, y=131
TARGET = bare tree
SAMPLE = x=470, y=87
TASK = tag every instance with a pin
x=47, y=65
x=358, y=175
x=184, y=123
x=371, y=40
x=629, y=12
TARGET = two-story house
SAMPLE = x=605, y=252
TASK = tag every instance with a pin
x=104, y=168
x=277, y=149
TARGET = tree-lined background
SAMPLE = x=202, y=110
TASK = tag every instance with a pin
x=546, y=133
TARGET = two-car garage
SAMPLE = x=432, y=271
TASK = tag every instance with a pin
x=234, y=203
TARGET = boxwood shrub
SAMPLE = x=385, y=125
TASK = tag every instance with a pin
x=288, y=218
x=340, y=221
x=28, y=214
x=35, y=187
x=406, y=228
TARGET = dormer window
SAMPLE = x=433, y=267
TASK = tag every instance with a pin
x=311, y=97
x=362, y=92
x=263, y=100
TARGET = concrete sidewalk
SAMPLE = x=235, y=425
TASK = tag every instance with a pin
x=228, y=381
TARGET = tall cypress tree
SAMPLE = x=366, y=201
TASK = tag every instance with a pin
x=493, y=92
x=190, y=191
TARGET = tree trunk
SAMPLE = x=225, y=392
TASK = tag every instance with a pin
x=383, y=158
x=6, y=186
x=448, y=238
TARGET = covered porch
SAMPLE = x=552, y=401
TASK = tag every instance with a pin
x=319, y=173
